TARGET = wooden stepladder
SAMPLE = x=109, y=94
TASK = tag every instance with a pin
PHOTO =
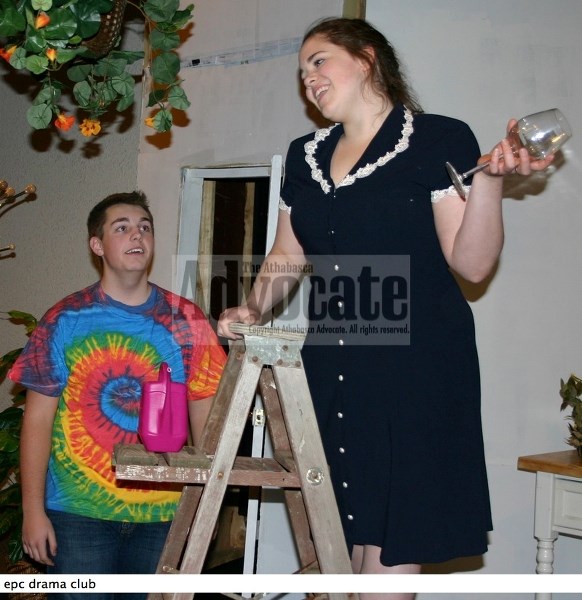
x=269, y=360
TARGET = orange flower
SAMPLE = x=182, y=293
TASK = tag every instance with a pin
x=64, y=122
x=6, y=53
x=90, y=127
x=51, y=54
x=149, y=121
x=42, y=20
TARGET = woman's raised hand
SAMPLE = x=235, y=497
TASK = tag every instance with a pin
x=237, y=314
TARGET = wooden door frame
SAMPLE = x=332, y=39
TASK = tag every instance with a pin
x=354, y=9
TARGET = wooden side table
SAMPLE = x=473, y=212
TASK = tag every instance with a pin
x=558, y=502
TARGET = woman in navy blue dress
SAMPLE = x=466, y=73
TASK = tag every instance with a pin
x=390, y=354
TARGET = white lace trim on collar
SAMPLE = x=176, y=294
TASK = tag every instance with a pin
x=321, y=134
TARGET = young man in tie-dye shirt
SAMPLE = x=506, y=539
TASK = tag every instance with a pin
x=84, y=368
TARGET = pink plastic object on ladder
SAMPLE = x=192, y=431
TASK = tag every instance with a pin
x=163, y=417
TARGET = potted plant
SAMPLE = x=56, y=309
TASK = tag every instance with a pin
x=10, y=425
x=571, y=394
x=73, y=44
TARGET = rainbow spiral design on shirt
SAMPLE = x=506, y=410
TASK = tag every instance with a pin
x=98, y=409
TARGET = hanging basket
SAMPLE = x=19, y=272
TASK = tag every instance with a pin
x=109, y=31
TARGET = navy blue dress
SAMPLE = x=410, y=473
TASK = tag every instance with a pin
x=398, y=408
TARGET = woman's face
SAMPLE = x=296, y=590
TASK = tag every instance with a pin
x=334, y=80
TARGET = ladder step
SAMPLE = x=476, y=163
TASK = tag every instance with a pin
x=136, y=454
x=134, y=463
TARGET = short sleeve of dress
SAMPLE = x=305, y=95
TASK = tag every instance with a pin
x=456, y=144
x=294, y=165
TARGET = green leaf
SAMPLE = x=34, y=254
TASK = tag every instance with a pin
x=166, y=27
x=123, y=84
x=58, y=85
x=11, y=496
x=82, y=92
x=35, y=43
x=5, y=469
x=160, y=10
x=156, y=97
x=18, y=59
x=163, y=120
x=88, y=19
x=8, y=442
x=165, y=67
x=65, y=55
x=63, y=25
x=11, y=22
x=129, y=56
x=79, y=72
x=9, y=518
x=15, y=551
x=30, y=18
x=125, y=102
x=39, y=116
x=164, y=41
x=105, y=92
x=45, y=96
x=177, y=98
x=36, y=64
x=11, y=419
x=41, y=4
x=107, y=67
x=12, y=491
x=182, y=17
x=20, y=317
x=75, y=41
x=103, y=6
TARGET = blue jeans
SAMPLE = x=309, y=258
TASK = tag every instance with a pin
x=93, y=546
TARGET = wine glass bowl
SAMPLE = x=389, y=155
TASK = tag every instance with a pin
x=541, y=134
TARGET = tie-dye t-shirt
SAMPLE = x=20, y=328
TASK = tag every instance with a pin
x=94, y=354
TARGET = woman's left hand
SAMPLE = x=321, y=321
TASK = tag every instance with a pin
x=503, y=161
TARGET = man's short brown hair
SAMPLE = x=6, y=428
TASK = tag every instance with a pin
x=97, y=216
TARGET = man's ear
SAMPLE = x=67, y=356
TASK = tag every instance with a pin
x=96, y=246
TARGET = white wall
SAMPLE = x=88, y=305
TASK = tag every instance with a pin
x=484, y=62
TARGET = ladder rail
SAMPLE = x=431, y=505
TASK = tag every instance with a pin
x=207, y=514
x=318, y=494
x=282, y=450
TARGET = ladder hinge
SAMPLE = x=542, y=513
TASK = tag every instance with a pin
x=258, y=417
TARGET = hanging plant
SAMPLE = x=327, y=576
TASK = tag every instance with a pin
x=571, y=394
x=78, y=39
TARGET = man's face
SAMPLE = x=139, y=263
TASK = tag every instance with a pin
x=127, y=244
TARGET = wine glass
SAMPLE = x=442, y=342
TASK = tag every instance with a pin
x=541, y=133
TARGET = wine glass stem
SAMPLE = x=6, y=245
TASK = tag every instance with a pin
x=475, y=170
